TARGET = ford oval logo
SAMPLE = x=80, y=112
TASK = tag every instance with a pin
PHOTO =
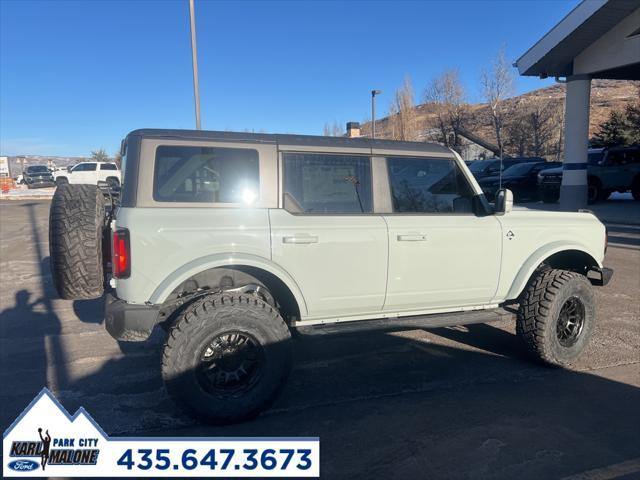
x=23, y=465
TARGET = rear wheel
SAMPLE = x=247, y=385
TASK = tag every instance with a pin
x=76, y=221
x=227, y=357
x=557, y=316
x=113, y=182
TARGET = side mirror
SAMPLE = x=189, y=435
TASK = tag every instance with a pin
x=504, y=201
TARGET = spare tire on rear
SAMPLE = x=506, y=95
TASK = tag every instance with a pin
x=76, y=222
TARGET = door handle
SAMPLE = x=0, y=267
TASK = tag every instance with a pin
x=413, y=237
x=300, y=239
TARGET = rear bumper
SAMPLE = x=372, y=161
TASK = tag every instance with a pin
x=127, y=322
x=601, y=276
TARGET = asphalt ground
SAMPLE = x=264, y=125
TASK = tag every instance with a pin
x=464, y=402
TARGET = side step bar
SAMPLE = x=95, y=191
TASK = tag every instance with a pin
x=436, y=320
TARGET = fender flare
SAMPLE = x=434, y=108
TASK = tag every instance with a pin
x=169, y=284
x=537, y=257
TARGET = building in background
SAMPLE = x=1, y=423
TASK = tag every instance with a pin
x=599, y=39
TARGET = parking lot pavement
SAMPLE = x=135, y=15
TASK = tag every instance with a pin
x=461, y=402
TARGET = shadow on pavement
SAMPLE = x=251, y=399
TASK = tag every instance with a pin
x=384, y=404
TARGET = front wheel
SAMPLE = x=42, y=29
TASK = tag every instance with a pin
x=227, y=357
x=557, y=315
x=594, y=192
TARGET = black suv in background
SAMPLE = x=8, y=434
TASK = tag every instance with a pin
x=614, y=169
x=38, y=176
x=521, y=179
x=491, y=166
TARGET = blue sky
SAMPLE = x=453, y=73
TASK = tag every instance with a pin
x=78, y=75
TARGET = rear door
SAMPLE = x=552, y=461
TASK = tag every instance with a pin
x=441, y=254
x=327, y=236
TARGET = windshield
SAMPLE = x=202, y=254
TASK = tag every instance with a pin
x=595, y=157
x=519, y=169
x=37, y=169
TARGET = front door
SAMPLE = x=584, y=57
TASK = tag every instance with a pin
x=327, y=237
x=440, y=253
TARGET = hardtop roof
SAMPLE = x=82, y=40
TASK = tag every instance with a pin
x=290, y=139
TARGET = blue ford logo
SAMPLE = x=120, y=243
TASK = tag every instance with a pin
x=23, y=465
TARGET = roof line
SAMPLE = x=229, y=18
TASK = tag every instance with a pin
x=554, y=28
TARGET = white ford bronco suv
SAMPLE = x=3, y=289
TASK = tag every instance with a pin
x=232, y=241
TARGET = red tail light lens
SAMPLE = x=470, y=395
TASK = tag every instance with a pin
x=121, y=262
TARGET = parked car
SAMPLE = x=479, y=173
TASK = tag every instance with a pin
x=608, y=170
x=37, y=176
x=521, y=179
x=231, y=241
x=90, y=173
x=491, y=166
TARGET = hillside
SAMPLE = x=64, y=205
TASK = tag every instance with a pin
x=606, y=95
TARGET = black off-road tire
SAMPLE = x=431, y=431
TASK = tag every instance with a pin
x=594, y=191
x=539, y=313
x=190, y=337
x=113, y=182
x=76, y=221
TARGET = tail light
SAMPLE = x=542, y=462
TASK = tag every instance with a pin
x=121, y=261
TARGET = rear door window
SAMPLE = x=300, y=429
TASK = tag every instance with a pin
x=206, y=174
x=326, y=183
x=108, y=166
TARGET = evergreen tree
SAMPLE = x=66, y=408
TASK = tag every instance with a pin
x=611, y=132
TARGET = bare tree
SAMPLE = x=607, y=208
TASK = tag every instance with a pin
x=532, y=127
x=402, y=113
x=332, y=129
x=100, y=155
x=117, y=158
x=498, y=83
x=447, y=96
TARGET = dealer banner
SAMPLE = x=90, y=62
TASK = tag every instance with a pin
x=45, y=441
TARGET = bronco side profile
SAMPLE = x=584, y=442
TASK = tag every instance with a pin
x=232, y=241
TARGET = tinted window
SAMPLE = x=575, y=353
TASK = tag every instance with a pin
x=108, y=166
x=37, y=169
x=85, y=167
x=426, y=185
x=206, y=174
x=319, y=183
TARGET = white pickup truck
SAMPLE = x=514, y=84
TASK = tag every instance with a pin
x=231, y=241
x=89, y=173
